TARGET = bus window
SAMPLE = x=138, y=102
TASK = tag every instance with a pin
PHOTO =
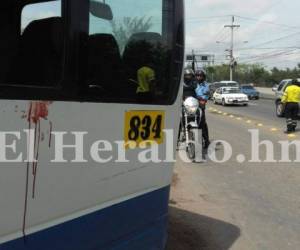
x=129, y=56
x=31, y=43
x=38, y=11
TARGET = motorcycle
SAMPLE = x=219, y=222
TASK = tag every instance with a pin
x=190, y=120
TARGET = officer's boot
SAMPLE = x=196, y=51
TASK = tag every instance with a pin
x=289, y=126
x=294, y=125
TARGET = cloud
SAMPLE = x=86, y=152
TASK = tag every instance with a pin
x=203, y=32
x=196, y=8
x=206, y=19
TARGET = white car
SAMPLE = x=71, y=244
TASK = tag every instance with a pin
x=230, y=95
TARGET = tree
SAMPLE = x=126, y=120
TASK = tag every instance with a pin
x=256, y=73
x=130, y=25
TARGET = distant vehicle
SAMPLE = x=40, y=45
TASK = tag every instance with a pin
x=229, y=84
x=250, y=91
x=214, y=86
x=279, y=90
x=230, y=95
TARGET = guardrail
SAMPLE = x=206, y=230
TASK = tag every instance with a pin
x=266, y=93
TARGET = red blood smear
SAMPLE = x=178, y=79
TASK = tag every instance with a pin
x=35, y=164
x=34, y=147
x=39, y=109
x=26, y=185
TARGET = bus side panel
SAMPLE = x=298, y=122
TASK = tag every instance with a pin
x=138, y=223
x=67, y=191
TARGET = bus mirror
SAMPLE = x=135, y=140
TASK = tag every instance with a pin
x=101, y=10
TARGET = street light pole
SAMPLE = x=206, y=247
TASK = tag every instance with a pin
x=231, y=64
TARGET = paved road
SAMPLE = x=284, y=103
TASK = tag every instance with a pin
x=263, y=110
x=238, y=205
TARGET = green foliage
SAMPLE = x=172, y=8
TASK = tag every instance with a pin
x=129, y=25
x=252, y=73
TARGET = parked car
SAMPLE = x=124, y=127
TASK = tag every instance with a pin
x=230, y=95
x=279, y=90
x=250, y=91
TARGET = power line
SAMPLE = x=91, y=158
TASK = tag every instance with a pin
x=274, y=40
x=263, y=55
x=268, y=22
x=270, y=56
x=207, y=17
x=224, y=37
x=271, y=48
x=220, y=35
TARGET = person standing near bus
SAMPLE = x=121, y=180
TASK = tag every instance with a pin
x=291, y=99
x=202, y=93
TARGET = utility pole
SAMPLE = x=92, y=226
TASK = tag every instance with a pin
x=232, y=61
x=193, y=62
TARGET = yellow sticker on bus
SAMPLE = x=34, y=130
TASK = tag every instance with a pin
x=143, y=127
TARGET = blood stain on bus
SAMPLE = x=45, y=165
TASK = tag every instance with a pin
x=37, y=139
x=37, y=110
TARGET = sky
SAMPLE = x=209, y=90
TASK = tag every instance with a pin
x=269, y=30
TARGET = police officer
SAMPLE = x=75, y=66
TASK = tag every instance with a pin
x=202, y=93
x=291, y=99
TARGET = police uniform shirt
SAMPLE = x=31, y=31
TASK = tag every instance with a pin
x=291, y=94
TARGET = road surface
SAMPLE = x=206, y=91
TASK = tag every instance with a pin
x=236, y=205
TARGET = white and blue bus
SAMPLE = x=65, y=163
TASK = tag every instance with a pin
x=69, y=76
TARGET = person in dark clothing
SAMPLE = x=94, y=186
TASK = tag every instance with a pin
x=202, y=93
x=189, y=84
